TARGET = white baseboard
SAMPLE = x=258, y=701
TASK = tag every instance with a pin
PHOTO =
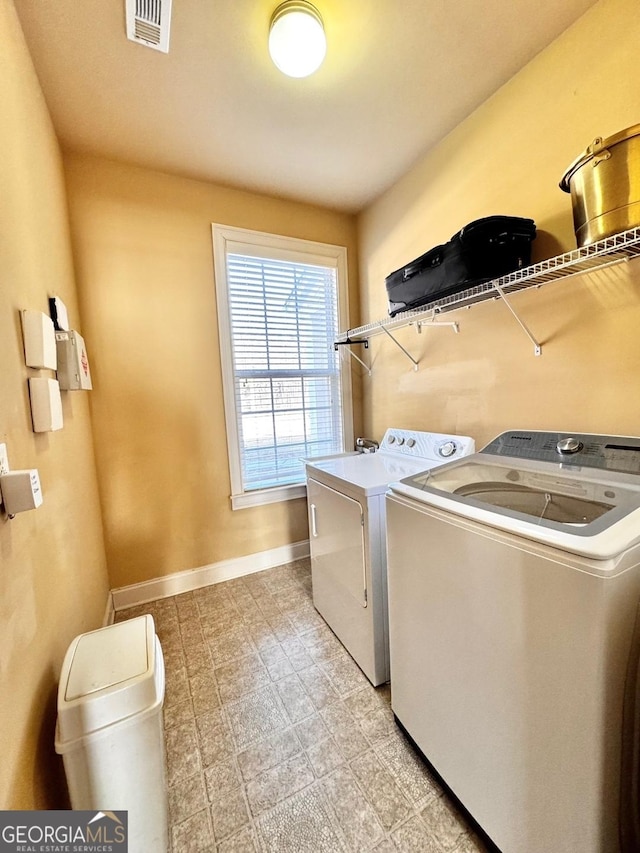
x=140, y=593
x=109, y=611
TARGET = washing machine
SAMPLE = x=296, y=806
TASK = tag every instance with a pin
x=345, y=497
x=514, y=585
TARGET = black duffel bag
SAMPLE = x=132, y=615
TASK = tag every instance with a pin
x=481, y=251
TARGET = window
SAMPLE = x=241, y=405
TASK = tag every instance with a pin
x=281, y=304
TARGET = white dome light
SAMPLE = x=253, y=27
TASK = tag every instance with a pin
x=297, y=42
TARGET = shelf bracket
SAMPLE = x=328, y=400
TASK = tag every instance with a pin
x=432, y=322
x=537, y=348
x=399, y=345
x=347, y=342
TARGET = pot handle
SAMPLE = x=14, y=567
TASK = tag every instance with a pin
x=598, y=152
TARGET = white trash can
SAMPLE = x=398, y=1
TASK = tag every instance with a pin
x=109, y=729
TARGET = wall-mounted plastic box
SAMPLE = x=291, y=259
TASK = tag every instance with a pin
x=20, y=490
x=39, y=340
x=58, y=311
x=73, y=365
x=46, y=404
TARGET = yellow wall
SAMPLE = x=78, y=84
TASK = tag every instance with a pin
x=53, y=582
x=144, y=259
x=507, y=158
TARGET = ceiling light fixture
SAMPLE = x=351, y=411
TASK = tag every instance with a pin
x=297, y=42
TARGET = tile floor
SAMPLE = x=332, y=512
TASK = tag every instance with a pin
x=276, y=742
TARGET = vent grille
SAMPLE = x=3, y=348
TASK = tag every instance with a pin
x=148, y=22
x=149, y=10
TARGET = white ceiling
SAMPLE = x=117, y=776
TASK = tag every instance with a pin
x=399, y=75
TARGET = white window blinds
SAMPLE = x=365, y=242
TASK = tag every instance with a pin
x=286, y=373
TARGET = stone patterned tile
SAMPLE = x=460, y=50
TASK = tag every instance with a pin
x=292, y=599
x=408, y=769
x=214, y=738
x=414, y=837
x=176, y=687
x=306, y=619
x=377, y=725
x=219, y=624
x=204, y=691
x=325, y=757
x=294, y=698
x=292, y=646
x=183, y=758
x=240, y=677
x=272, y=786
x=281, y=626
x=186, y=607
x=272, y=654
x=174, y=658
x=442, y=819
x=178, y=713
x=191, y=631
x=316, y=634
x=280, y=669
x=301, y=824
x=267, y=754
x=385, y=846
x=318, y=687
x=255, y=717
x=261, y=634
x=193, y=835
x=229, y=813
x=364, y=701
x=382, y=790
x=244, y=841
x=222, y=776
x=197, y=657
x=187, y=797
x=301, y=660
x=232, y=644
x=312, y=731
x=354, y=814
x=345, y=675
x=345, y=729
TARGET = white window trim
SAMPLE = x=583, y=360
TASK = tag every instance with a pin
x=229, y=239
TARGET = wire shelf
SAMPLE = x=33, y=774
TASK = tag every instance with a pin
x=605, y=253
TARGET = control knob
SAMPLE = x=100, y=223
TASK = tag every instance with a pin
x=400, y=440
x=447, y=449
x=392, y=439
x=411, y=442
x=569, y=445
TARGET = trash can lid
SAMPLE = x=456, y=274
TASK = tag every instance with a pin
x=109, y=676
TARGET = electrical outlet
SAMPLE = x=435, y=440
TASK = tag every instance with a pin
x=4, y=459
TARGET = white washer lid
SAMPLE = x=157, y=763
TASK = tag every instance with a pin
x=108, y=676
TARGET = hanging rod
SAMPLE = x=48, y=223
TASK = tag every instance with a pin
x=348, y=343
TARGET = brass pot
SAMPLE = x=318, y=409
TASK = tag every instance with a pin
x=604, y=183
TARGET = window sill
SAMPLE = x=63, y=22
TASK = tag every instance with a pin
x=262, y=497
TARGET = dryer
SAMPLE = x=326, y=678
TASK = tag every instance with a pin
x=514, y=588
x=345, y=495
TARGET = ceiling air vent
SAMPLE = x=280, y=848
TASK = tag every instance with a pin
x=148, y=22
